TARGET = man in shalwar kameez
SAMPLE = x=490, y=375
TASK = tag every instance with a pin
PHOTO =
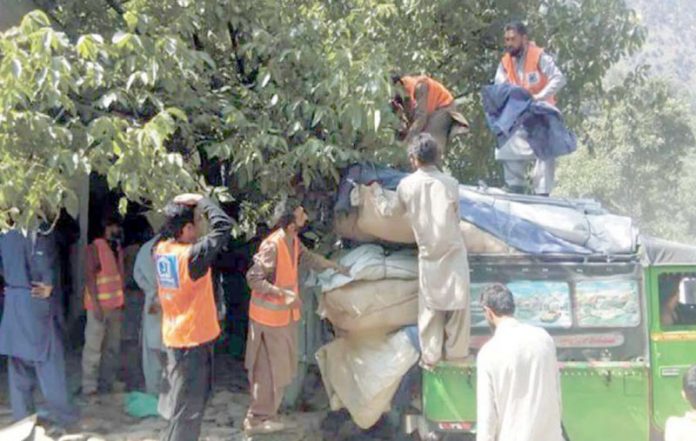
x=29, y=332
x=274, y=310
x=430, y=200
x=153, y=349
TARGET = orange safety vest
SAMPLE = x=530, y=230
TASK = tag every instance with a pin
x=438, y=95
x=109, y=278
x=189, y=314
x=534, y=80
x=271, y=310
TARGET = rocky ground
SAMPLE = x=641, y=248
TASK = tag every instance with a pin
x=106, y=419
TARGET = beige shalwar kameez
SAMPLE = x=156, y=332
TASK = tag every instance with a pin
x=430, y=199
x=271, y=352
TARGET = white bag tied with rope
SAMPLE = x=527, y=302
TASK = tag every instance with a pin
x=362, y=373
x=372, y=305
x=371, y=262
x=397, y=229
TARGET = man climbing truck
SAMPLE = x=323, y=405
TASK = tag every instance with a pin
x=426, y=106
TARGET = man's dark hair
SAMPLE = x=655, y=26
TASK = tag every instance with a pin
x=424, y=149
x=177, y=216
x=517, y=26
x=689, y=385
x=396, y=77
x=498, y=298
x=111, y=219
x=287, y=215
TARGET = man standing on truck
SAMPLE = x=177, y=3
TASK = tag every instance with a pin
x=430, y=200
x=274, y=311
x=518, y=395
x=190, y=326
x=427, y=106
x=526, y=65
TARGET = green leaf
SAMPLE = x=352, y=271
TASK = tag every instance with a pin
x=123, y=206
x=265, y=80
x=177, y=113
x=16, y=68
x=121, y=39
x=318, y=114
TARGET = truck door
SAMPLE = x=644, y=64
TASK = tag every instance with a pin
x=672, y=339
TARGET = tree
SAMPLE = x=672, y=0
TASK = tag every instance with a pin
x=248, y=98
x=635, y=161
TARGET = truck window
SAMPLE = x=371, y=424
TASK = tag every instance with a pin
x=537, y=302
x=676, y=292
x=607, y=303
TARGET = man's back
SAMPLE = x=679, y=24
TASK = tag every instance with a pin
x=681, y=428
x=518, y=386
x=432, y=201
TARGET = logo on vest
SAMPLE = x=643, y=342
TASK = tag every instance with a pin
x=533, y=78
x=167, y=271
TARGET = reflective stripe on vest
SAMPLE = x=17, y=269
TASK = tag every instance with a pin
x=189, y=314
x=109, y=278
x=534, y=80
x=271, y=310
x=438, y=95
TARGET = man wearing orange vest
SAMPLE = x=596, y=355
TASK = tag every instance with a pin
x=190, y=325
x=103, y=301
x=274, y=310
x=427, y=107
x=526, y=65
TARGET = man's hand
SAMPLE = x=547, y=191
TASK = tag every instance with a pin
x=41, y=290
x=289, y=295
x=190, y=199
x=98, y=312
x=344, y=270
x=154, y=309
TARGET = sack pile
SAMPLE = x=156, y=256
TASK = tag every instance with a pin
x=362, y=368
x=380, y=296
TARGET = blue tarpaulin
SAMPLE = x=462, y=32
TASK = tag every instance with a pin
x=509, y=107
x=517, y=232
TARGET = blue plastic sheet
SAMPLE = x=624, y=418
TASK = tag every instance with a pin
x=515, y=231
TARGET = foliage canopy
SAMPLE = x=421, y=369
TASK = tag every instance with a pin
x=246, y=98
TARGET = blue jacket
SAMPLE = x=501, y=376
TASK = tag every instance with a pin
x=509, y=107
x=29, y=328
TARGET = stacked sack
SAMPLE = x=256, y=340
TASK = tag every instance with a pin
x=365, y=224
x=363, y=367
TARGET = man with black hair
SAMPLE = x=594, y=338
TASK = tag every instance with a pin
x=518, y=394
x=430, y=200
x=274, y=311
x=104, y=300
x=190, y=325
x=426, y=107
x=526, y=65
x=29, y=330
x=684, y=428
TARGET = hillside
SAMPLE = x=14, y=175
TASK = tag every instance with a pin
x=670, y=48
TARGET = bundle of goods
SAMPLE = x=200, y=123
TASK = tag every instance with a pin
x=363, y=367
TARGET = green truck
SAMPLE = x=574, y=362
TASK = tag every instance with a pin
x=624, y=327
